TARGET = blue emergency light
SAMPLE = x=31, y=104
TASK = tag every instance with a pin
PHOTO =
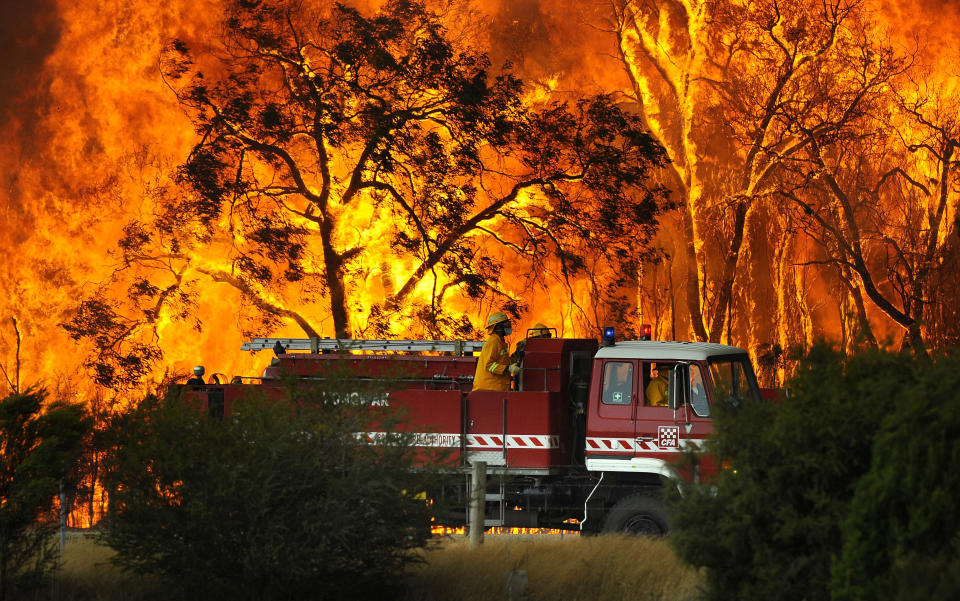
x=608, y=336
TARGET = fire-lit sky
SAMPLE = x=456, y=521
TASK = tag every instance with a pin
x=87, y=124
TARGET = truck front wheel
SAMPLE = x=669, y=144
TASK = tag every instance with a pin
x=639, y=514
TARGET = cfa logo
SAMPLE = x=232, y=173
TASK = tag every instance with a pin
x=668, y=437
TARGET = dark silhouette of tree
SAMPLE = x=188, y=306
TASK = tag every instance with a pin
x=12, y=376
x=799, y=138
x=40, y=444
x=714, y=80
x=874, y=186
x=377, y=164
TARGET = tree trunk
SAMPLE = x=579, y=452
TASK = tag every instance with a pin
x=693, y=275
x=333, y=263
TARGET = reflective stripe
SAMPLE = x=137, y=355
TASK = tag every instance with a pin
x=536, y=442
x=493, y=367
x=631, y=445
x=514, y=441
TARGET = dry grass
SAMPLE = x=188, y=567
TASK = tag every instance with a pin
x=87, y=575
x=596, y=568
x=571, y=568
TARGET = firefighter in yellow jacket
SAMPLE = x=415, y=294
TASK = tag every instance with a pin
x=493, y=367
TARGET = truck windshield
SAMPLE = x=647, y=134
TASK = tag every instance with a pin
x=733, y=379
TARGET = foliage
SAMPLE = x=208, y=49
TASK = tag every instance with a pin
x=40, y=444
x=902, y=536
x=770, y=525
x=276, y=500
x=376, y=169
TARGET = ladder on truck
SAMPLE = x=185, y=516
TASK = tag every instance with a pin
x=316, y=345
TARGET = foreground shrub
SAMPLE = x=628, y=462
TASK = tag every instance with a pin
x=277, y=500
x=770, y=525
x=902, y=535
x=40, y=445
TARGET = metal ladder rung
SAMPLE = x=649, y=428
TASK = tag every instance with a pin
x=457, y=347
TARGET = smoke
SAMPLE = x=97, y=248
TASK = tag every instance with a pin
x=565, y=41
x=29, y=33
x=928, y=26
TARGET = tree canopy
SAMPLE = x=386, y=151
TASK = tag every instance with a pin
x=377, y=171
x=812, y=154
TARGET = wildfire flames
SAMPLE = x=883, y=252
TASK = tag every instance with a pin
x=812, y=152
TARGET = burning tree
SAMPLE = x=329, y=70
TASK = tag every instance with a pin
x=745, y=98
x=379, y=165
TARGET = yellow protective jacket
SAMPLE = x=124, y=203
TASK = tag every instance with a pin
x=492, y=365
x=657, y=392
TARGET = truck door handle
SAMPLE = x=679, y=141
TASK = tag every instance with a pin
x=644, y=438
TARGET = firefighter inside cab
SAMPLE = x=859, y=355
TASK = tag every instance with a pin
x=657, y=389
x=493, y=367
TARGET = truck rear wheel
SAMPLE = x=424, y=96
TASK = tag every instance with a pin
x=639, y=514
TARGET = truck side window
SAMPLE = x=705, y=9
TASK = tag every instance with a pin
x=617, y=383
x=733, y=379
x=698, y=392
x=657, y=385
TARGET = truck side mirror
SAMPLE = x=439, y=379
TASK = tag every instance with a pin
x=679, y=391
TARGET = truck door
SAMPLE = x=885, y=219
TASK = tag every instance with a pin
x=663, y=432
x=612, y=420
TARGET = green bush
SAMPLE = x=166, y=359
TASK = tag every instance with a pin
x=902, y=535
x=277, y=500
x=769, y=527
x=39, y=447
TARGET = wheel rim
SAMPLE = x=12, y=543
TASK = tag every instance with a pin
x=642, y=524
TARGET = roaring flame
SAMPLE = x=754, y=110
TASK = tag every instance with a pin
x=91, y=133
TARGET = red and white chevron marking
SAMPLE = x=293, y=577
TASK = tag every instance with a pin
x=630, y=445
x=514, y=441
x=475, y=442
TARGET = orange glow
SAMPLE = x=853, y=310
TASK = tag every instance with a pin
x=91, y=137
x=462, y=531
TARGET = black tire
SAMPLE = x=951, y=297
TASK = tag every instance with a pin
x=639, y=514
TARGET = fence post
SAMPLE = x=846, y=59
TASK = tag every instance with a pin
x=63, y=517
x=478, y=499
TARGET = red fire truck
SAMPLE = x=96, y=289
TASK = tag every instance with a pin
x=577, y=443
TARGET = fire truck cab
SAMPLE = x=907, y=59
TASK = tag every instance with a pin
x=586, y=439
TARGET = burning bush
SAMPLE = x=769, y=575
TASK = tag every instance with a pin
x=276, y=500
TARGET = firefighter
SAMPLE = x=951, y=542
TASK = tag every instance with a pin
x=537, y=331
x=657, y=389
x=493, y=366
x=197, y=378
